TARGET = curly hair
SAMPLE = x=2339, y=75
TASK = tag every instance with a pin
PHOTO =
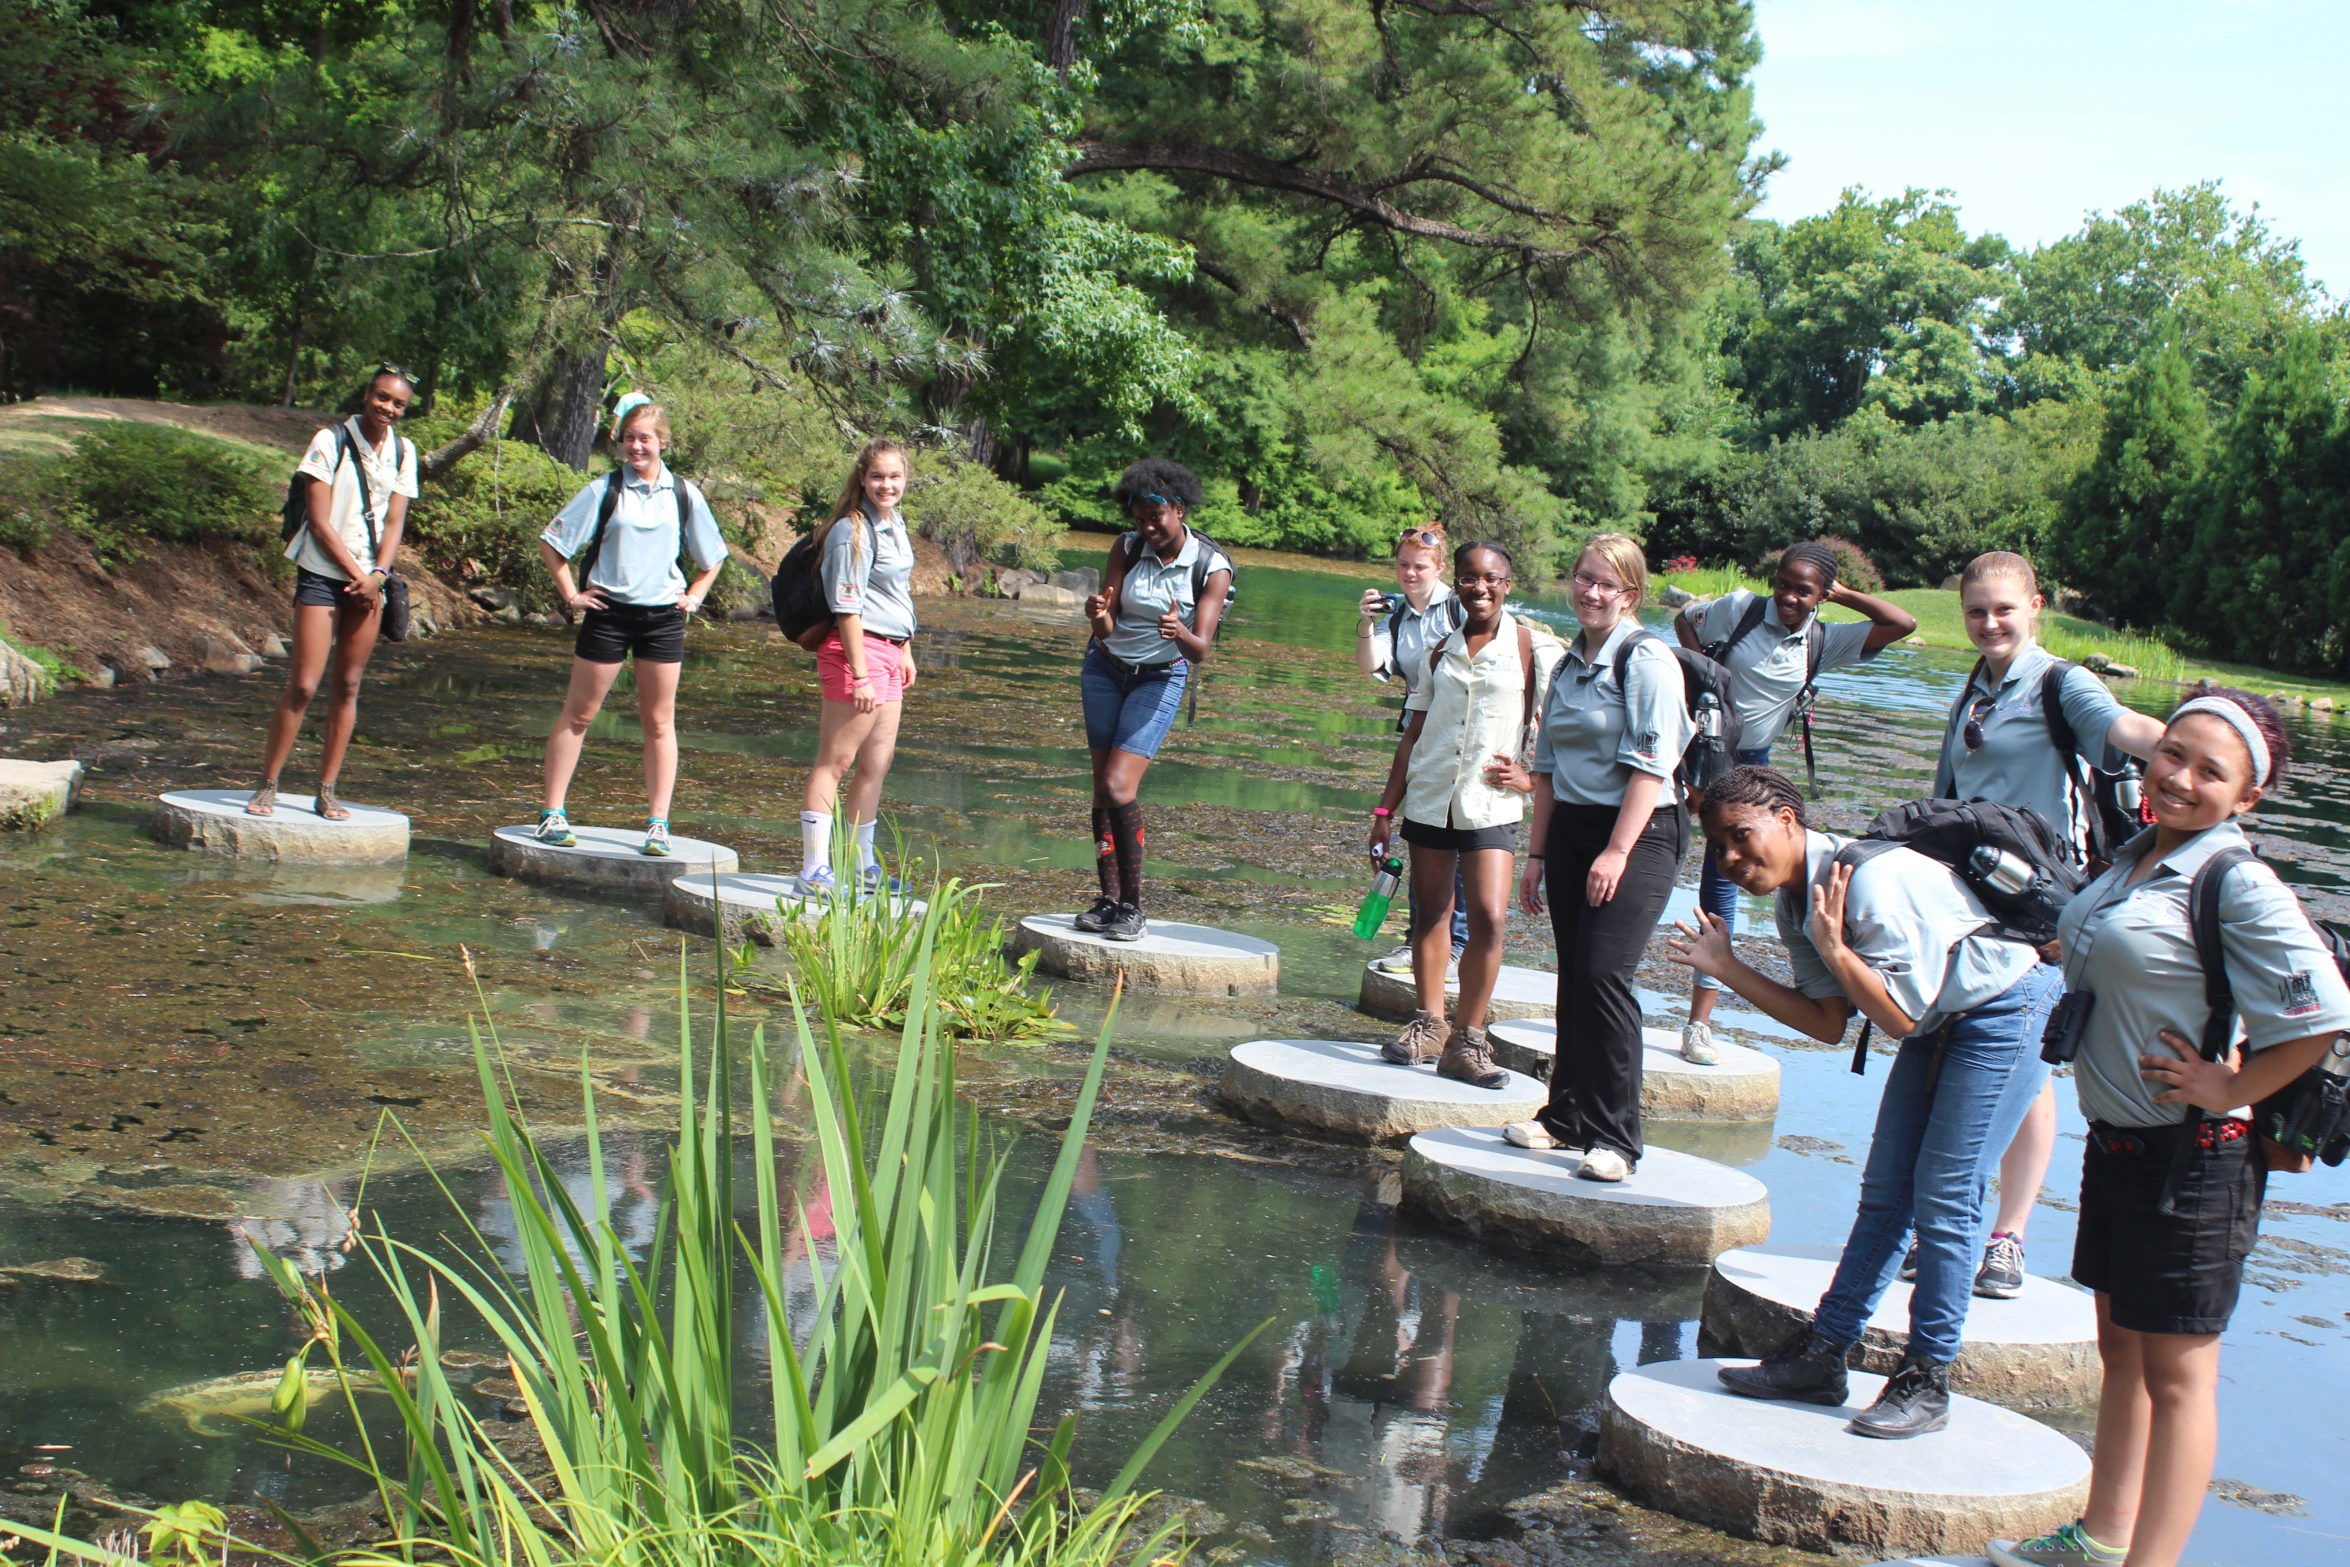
x=1759, y=788
x=1161, y=476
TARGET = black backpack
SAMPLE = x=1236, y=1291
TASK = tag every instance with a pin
x=2312, y=1114
x=2109, y=821
x=1951, y=832
x=801, y=612
x=1131, y=543
x=1705, y=690
x=1815, y=647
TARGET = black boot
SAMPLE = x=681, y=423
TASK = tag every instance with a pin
x=1808, y=1368
x=1916, y=1400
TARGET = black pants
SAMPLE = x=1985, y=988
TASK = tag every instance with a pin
x=1595, y=1077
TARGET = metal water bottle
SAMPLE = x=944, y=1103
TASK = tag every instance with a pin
x=1995, y=867
x=1381, y=897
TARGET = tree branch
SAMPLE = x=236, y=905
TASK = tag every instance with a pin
x=1364, y=202
x=439, y=461
x=1287, y=317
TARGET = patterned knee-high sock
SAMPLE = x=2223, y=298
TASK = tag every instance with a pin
x=1127, y=836
x=1105, y=852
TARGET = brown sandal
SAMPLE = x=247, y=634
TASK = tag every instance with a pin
x=263, y=801
x=329, y=807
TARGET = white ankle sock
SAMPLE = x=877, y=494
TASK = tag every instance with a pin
x=866, y=858
x=815, y=842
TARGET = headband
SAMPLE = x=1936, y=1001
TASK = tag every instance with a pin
x=628, y=404
x=2237, y=719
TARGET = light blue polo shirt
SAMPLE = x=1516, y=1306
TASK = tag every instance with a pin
x=1597, y=734
x=869, y=573
x=1149, y=589
x=638, y=563
x=1769, y=666
x=1915, y=922
x=2015, y=764
x=2133, y=948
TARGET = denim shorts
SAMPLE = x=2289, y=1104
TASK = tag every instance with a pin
x=320, y=591
x=1130, y=708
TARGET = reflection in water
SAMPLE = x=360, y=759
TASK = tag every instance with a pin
x=306, y=1223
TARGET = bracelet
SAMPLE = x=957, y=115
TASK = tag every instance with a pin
x=860, y=680
x=1381, y=811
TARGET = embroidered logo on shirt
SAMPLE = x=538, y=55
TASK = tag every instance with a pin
x=2298, y=993
x=1645, y=744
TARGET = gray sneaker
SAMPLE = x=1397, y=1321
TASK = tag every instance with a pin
x=1397, y=962
x=2002, y=1275
x=1422, y=1039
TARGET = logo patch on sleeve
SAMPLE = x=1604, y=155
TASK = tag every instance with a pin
x=1645, y=744
x=2298, y=995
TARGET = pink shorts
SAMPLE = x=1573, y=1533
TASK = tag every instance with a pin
x=884, y=662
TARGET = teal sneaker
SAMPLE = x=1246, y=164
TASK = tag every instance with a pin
x=2069, y=1546
x=555, y=830
x=657, y=838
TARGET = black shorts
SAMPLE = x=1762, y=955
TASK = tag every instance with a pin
x=319, y=590
x=655, y=633
x=1461, y=839
x=2167, y=1273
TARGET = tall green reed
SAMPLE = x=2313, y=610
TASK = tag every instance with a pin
x=902, y=1419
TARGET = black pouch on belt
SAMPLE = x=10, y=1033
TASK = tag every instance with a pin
x=2060, y=1041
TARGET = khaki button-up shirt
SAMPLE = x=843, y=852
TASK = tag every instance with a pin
x=1475, y=706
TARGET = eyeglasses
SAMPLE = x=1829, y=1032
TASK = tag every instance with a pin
x=1584, y=579
x=1490, y=579
x=1972, y=734
x=386, y=367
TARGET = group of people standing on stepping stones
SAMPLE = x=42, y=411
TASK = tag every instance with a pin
x=1498, y=713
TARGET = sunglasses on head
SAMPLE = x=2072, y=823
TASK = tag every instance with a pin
x=1424, y=538
x=386, y=367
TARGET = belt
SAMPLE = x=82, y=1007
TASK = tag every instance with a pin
x=1165, y=666
x=892, y=641
x=2133, y=1142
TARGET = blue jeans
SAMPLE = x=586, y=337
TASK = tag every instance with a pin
x=1716, y=893
x=1130, y=709
x=1931, y=1158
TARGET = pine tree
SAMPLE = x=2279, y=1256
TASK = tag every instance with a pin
x=2126, y=522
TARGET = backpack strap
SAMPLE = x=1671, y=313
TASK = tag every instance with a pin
x=604, y=510
x=2203, y=895
x=2068, y=750
x=1526, y=677
x=1945, y=774
x=1757, y=607
x=1856, y=854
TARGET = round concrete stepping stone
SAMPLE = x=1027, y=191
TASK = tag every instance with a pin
x=1517, y=992
x=751, y=906
x=213, y=821
x=1791, y=1474
x=1742, y=1086
x=2037, y=1351
x=605, y=860
x=1676, y=1208
x=1344, y=1089
x=1172, y=958
x=32, y=793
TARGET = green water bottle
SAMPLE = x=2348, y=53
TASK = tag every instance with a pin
x=1382, y=895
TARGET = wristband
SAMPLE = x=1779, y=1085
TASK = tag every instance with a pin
x=379, y=571
x=1382, y=811
x=860, y=680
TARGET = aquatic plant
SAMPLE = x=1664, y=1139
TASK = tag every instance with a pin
x=902, y=1405
x=857, y=958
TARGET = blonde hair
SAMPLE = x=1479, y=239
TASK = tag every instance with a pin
x=1622, y=553
x=637, y=415
x=852, y=493
x=1999, y=563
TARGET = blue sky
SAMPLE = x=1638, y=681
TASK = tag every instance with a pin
x=2035, y=113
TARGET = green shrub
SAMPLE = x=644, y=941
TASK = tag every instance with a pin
x=134, y=485
x=34, y=496
x=975, y=516
x=1854, y=569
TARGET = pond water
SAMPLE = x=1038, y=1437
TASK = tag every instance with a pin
x=176, y=1075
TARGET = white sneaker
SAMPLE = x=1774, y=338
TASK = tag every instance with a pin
x=1603, y=1164
x=1697, y=1044
x=1528, y=1134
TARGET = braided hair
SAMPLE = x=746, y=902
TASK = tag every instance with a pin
x=1820, y=558
x=1759, y=788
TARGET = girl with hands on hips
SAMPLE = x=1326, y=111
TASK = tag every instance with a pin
x=1902, y=939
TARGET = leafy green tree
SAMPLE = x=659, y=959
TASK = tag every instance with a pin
x=2127, y=521
x=2267, y=580
x=2183, y=263
x=1876, y=303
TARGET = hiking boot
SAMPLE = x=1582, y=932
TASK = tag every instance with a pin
x=1909, y=1262
x=1125, y=923
x=1807, y=1369
x=1916, y=1400
x=2069, y=1546
x=1422, y=1039
x=1697, y=1044
x=1103, y=907
x=554, y=830
x=1468, y=1058
x=2002, y=1275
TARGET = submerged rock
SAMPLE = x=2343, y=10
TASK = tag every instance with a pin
x=64, y=1270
